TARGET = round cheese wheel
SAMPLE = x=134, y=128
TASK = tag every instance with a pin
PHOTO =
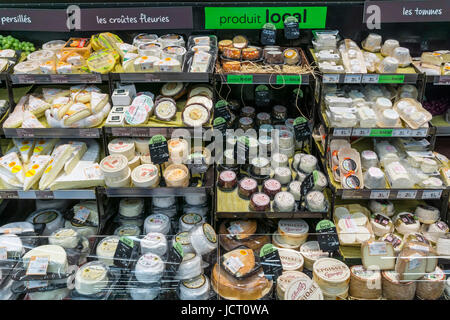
x=124, y=182
x=393, y=289
x=331, y=275
x=131, y=207
x=149, y=268
x=285, y=279
x=122, y=146
x=203, y=238
x=293, y=231
x=291, y=260
x=365, y=284
x=311, y=252
x=106, y=249
x=91, y=278
x=66, y=238
x=427, y=214
x=154, y=242
x=190, y=267
x=114, y=167
x=303, y=289
x=145, y=176
x=195, y=289
x=157, y=223
x=431, y=286
x=406, y=222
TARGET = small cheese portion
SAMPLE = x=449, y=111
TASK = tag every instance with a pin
x=44, y=146
x=377, y=255
x=86, y=174
x=12, y=168
x=79, y=149
x=35, y=169
x=60, y=156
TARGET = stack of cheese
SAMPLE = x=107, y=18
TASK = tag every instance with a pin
x=49, y=163
x=352, y=224
x=80, y=107
x=434, y=63
x=333, y=277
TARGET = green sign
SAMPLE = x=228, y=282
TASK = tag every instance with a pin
x=381, y=132
x=179, y=248
x=157, y=139
x=391, y=78
x=218, y=121
x=240, y=78
x=324, y=224
x=256, y=17
x=289, y=79
x=127, y=241
x=266, y=249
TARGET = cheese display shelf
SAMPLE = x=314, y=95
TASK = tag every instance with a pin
x=148, y=132
x=47, y=194
x=189, y=77
x=271, y=78
x=57, y=78
x=53, y=132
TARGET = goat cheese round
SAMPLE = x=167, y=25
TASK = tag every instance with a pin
x=149, y=268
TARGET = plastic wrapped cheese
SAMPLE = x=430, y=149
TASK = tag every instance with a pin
x=398, y=176
x=403, y=56
x=389, y=46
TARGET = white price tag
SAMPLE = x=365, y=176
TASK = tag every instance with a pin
x=407, y=194
x=37, y=266
x=431, y=194
x=352, y=78
x=342, y=132
x=331, y=78
x=361, y=132
x=3, y=254
x=370, y=78
x=402, y=132
x=82, y=215
x=34, y=284
x=379, y=194
x=419, y=132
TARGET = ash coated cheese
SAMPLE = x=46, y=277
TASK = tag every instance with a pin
x=332, y=276
x=157, y=223
x=91, y=278
x=427, y=214
x=431, y=286
x=377, y=255
x=311, y=252
x=293, y=231
x=106, y=249
x=122, y=146
x=145, y=176
x=149, y=268
x=411, y=264
x=393, y=289
x=154, y=242
x=303, y=289
x=365, y=284
x=291, y=260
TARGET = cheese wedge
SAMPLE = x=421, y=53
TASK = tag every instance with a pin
x=25, y=147
x=76, y=112
x=44, y=146
x=98, y=101
x=15, y=119
x=86, y=174
x=50, y=94
x=31, y=121
x=60, y=107
x=11, y=167
x=10, y=183
x=35, y=170
x=411, y=264
x=79, y=149
x=37, y=106
x=60, y=156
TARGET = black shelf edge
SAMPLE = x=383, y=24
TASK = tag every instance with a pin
x=161, y=77
x=52, y=132
x=46, y=194
x=370, y=78
x=146, y=192
x=270, y=215
x=149, y=131
x=442, y=80
x=58, y=78
x=391, y=194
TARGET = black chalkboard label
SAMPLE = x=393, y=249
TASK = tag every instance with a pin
x=301, y=129
x=124, y=252
x=308, y=184
x=268, y=34
x=291, y=28
x=262, y=96
x=270, y=261
x=327, y=236
x=159, y=151
x=220, y=124
x=175, y=257
x=221, y=110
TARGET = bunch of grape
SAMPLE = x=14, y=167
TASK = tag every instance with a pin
x=13, y=43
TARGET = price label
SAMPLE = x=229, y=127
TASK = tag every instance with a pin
x=120, y=132
x=82, y=215
x=342, y=132
x=89, y=133
x=34, y=284
x=25, y=133
x=422, y=132
x=391, y=78
x=381, y=132
x=352, y=78
x=240, y=78
x=37, y=266
x=379, y=194
x=9, y=194
x=331, y=78
x=431, y=194
x=44, y=194
x=289, y=79
x=3, y=254
x=370, y=78
x=361, y=132
x=407, y=194
x=402, y=132
x=442, y=80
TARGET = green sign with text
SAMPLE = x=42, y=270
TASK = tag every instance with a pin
x=289, y=79
x=256, y=17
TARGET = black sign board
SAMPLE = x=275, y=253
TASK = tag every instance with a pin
x=175, y=257
x=262, y=96
x=268, y=34
x=270, y=262
x=159, y=151
x=308, y=184
x=327, y=236
x=291, y=28
x=221, y=110
x=301, y=129
x=220, y=124
x=124, y=252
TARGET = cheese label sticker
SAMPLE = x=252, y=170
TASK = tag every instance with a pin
x=233, y=264
x=377, y=248
x=235, y=228
x=37, y=266
x=414, y=262
x=3, y=253
x=195, y=283
x=82, y=215
x=36, y=284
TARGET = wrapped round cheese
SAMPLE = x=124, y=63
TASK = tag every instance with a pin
x=427, y=214
x=431, y=286
x=388, y=47
x=372, y=43
x=189, y=221
x=311, y=252
x=148, y=292
x=402, y=55
x=106, y=249
x=385, y=207
x=157, y=223
x=53, y=220
x=122, y=146
x=197, y=288
x=145, y=176
x=127, y=230
x=66, y=238
x=293, y=231
x=285, y=279
x=154, y=242
x=406, y=222
x=203, y=238
x=388, y=65
x=114, y=167
x=42, y=56
x=176, y=175
x=303, y=288
x=433, y=231
x=190, y=267
x=183, y=239
x=291, y=260
x=163, y=202
x=332, y=276
x=381, y=224
x=91, y=278
x=149, y=268
x=131, y=207
x=27, y=67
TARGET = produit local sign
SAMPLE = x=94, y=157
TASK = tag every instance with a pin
x=408, y=11
x=256, y=17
